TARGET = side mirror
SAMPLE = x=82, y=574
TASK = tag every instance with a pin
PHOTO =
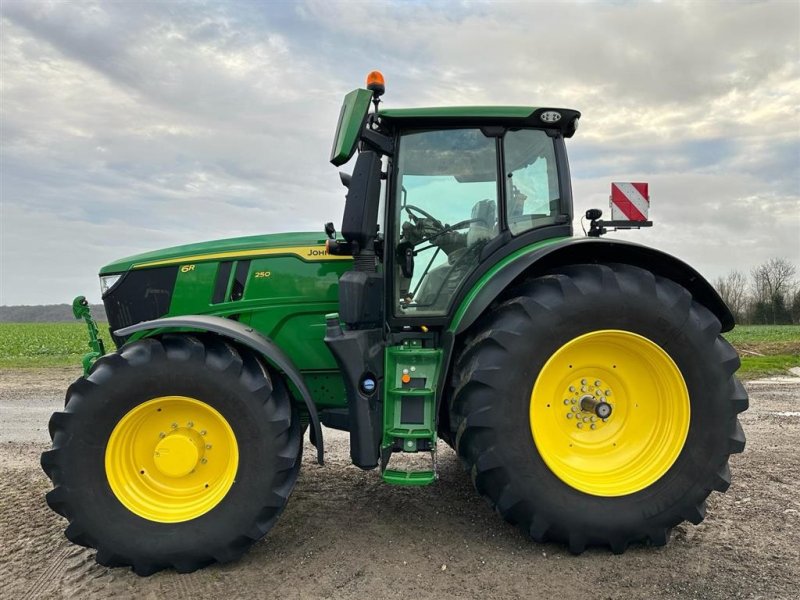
x=360, y=219
x=351, y=122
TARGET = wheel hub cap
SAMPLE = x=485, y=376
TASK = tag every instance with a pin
x=179, y=453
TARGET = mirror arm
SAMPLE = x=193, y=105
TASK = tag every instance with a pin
x=382, y=144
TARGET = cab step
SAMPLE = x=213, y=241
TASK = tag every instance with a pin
x=409, y=413
x=408, y=477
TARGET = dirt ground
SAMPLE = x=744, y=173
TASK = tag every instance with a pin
x=345, y=534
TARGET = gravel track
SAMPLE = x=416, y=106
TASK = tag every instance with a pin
x=345, y=534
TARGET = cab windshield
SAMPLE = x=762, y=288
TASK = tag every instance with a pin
x=447, y=206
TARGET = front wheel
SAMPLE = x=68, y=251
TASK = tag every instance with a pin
x=597, y=406
x=175, y=452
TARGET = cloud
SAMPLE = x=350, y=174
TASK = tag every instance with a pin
x=130, y=126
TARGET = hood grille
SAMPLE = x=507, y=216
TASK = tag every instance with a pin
x=140, y=295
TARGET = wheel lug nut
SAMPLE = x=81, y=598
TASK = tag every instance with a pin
x=208, y=446
x=584, y=388
x=574, y=409
x=569, y=415
x=574, y=400
x=204, y=460
x=162, y=435
x=608, y=392
x=597, y=382
x=190, y=424
x=572, y=388
x=174, y=425
x=566, y=400
x=585, y=419
x=594, y=418
x=203, y=432
x=583, y=382
x=593, y=426
x=580, y=425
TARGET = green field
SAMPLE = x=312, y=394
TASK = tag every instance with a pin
x=46, y=344
x=765, y=350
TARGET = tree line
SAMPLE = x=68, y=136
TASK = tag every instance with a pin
x=45, y=313
x=770, y=295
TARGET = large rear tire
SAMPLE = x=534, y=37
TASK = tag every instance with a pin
x=175, y=452
x=532, y=373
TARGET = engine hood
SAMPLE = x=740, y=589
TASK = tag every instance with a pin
x=309, y=244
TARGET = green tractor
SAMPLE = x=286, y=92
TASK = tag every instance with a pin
x=583, y=382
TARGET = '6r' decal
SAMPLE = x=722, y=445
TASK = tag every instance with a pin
x=187, y=268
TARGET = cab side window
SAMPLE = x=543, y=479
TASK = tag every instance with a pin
x=532, y=193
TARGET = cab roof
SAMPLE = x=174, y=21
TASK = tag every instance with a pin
x=562, y=119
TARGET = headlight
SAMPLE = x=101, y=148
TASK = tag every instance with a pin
x=108, y=281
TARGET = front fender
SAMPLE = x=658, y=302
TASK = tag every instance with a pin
x=246, y=336
x=586, y=250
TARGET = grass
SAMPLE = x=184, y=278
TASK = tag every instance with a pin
x=764, y=335
x=765, y=349
x=756, y=367
x=46, y=344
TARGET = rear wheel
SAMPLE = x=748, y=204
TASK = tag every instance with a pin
x=175, y=452
x=597, y=406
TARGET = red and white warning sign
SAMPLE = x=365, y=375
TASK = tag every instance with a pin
x=629, y=201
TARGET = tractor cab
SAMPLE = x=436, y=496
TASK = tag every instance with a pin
x=436, y=198
x=459, y=184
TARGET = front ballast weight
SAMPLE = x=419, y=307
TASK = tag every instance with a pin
x=82, y=310
x=630, y=205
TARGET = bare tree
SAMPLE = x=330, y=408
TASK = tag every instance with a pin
x=772, y=284
x=733, y=290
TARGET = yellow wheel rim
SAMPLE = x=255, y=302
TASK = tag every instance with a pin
x=643, y=435
x=171, y=459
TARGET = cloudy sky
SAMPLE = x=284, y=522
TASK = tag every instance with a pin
x=130, y=126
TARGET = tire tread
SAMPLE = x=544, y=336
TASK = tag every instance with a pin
x=222, y=357
x=475, y=391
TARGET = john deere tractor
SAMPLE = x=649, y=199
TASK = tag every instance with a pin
x=583, y=382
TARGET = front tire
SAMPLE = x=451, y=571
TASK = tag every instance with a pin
x=177, y=451
x=562, y=473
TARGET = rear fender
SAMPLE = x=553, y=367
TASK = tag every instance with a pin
x=247, y=336
x=591, y=251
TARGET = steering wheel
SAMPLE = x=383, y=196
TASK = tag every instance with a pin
x=421, y=225
x=411, y=209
